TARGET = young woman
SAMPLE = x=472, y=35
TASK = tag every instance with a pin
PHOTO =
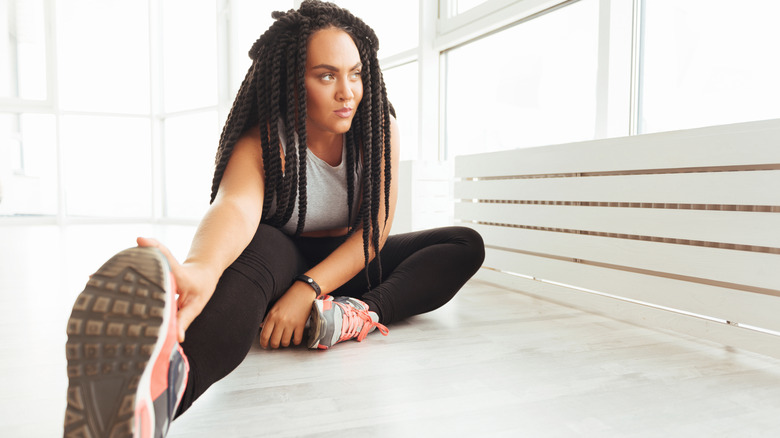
x=295, y=244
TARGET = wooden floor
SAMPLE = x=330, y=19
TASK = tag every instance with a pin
x=492, y=362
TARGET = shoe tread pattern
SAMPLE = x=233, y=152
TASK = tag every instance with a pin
x=112, y=332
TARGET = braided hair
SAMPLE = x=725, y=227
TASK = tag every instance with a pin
x=273, y=98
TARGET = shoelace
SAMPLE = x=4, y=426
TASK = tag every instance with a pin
x=357, y=323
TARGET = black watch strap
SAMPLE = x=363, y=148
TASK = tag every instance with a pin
x=310, y=281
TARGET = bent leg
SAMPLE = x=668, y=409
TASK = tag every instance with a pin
x=421, y=272
x=220, y=337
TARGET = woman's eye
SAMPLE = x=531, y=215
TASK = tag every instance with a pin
x=327, y=77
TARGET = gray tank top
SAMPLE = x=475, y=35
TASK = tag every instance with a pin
x=326, y=194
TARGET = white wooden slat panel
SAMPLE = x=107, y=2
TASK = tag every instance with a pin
x=749, y=340
x=743, y=307
x=729, y=188
x=731, y=145
x=741, y=267
x=735, y=227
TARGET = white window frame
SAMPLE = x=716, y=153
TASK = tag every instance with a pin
x=617, y=77
x=439, y=30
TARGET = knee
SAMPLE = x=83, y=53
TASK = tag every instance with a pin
x=473, y=245
x=265, y=233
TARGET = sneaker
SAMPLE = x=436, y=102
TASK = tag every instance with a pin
x=338, y=319
x=126, y=370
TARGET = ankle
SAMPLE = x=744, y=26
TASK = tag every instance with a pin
x=373, y=308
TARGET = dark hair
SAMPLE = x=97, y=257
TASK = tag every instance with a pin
x=273, y=96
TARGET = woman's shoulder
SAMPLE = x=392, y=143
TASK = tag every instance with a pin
x=251, y=137
x=248, y=146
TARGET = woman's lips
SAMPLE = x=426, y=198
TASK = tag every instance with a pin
x=344, y=112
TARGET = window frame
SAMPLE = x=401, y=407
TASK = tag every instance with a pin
x=618, y=90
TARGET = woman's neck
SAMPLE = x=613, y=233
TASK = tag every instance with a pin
x=326, y=146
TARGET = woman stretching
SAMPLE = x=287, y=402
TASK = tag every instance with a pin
x=295, y=243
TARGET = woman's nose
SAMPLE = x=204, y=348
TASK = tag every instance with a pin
x=344, y=93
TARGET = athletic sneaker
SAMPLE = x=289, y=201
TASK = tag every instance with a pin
x=338, y=319
x=126, y=369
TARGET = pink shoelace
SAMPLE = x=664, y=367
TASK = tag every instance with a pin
x=357, y=323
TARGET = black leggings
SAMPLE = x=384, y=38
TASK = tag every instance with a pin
x=421, y=271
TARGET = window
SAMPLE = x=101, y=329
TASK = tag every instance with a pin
x=189, y=54
x=249, y=19
x=462, y=6
x=709, y=62
x=127, y=89
x=401, y=83
x=529, y=85
x=22, y=50
x=28, y=165
x=396, y=24
x=108, y=166
x=190, y=99
x=103, y=56
x=190, y=146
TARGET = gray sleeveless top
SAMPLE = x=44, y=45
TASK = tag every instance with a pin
x=326, y=194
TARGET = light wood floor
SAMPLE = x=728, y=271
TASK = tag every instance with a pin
x=492, y=362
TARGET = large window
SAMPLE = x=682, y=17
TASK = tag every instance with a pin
x=529, y=85
x=113, y=108
x=103, y=56
x=397, y=30
x=190, y=125
x=248, y=20
x=571, y=70
x=402, y=91
x=190, y=144
x=28, y=164
x=189, y=54
x=709, y=62
x=22, y=50
x=108, y=171
x=395, y=26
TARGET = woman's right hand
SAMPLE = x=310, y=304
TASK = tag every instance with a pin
x=193, y=285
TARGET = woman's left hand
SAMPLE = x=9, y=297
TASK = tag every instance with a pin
x=286, y=320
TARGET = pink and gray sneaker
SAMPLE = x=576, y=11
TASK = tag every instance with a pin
x=338, y=319
x=126, y=370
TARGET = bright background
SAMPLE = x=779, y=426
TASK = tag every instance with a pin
x=111, y=110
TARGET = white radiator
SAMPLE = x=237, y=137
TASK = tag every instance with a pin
x=676, y=230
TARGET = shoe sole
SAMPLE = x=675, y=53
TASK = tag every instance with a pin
x=318, y=325
x=117, y=327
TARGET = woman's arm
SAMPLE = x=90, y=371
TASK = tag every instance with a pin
x=285, y=321
x=226, y=229
x=233, y=217
x=348, y=259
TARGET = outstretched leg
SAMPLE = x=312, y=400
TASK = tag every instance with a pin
x=126, y=371
x=220, y=337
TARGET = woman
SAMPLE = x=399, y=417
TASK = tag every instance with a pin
x=296, y=241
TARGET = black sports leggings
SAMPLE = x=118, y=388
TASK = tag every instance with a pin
x=421, y=272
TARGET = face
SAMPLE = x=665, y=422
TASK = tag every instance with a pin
x=334, y=87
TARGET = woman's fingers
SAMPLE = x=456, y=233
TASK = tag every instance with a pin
x=265, y=333
x=286, y=321
x=278, y=335
x=298, y=335
x=147, y=241
x=188, y=308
